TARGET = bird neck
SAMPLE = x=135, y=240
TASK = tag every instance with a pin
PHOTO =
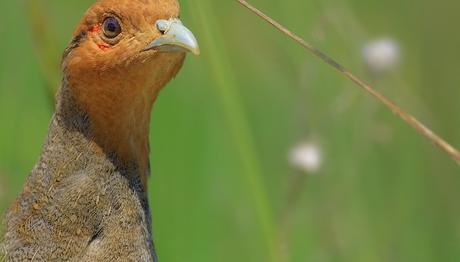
x=118, y=126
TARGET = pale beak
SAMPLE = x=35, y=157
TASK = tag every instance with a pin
x=175, y=38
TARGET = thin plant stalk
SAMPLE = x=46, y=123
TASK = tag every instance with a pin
x=296, y=188
x=405, y=116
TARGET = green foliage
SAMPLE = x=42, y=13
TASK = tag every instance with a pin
x=222, y=131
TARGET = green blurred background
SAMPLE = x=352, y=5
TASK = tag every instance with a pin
x=222, y=187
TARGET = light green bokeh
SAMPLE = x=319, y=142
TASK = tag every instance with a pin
x=223, y=129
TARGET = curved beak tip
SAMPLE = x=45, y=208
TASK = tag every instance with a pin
x=176, y=38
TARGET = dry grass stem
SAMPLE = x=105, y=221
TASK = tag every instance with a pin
x=408, y=118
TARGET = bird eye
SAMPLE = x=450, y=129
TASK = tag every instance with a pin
x=111, y=27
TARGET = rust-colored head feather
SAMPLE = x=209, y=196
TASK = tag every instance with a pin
x=114, y=78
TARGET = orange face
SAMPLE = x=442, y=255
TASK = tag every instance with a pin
x=109, y=46
x=122, y=54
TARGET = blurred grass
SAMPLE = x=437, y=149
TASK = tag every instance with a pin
x=221, y=131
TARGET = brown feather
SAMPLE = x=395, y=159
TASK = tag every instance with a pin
x=86, y=198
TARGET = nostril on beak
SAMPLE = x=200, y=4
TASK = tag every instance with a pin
x=162, y=26
x=175, y=38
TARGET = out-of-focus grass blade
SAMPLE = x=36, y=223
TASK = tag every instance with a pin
x=46, y=45
x=240, y=130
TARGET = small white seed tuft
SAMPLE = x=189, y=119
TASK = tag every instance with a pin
x=307, y=157
x=381, y=55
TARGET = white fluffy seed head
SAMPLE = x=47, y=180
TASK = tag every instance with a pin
x=307, y=157
x=381, y=55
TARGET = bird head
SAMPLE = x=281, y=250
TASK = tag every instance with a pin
x=122, y=54
x=125, y=40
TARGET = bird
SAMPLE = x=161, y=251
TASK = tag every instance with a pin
x=86, y=197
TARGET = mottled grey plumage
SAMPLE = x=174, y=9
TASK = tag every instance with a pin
x=78, y=202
